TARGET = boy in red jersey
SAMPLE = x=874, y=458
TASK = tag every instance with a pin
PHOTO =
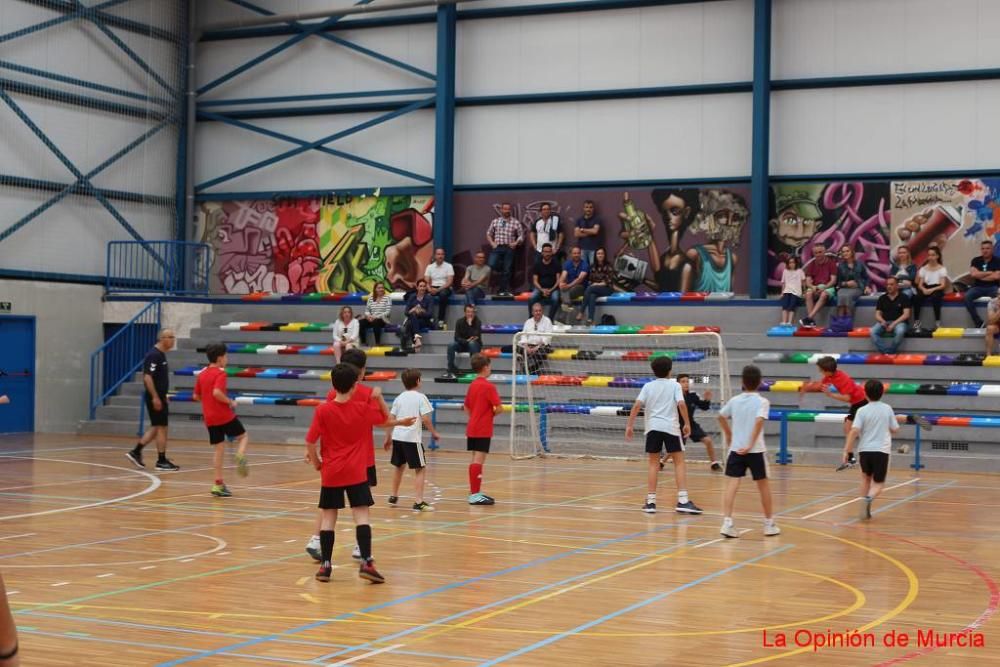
x=850, y=392
x=363, y=393
x=217, y=408
x=344, y=427
x=482, y=402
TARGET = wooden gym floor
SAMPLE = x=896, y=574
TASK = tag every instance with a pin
x=108, y=565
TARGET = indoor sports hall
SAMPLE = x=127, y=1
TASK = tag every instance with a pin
x=499, y=332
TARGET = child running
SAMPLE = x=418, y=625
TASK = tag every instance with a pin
x=695, y=402
x=873, y=428
x=662, y=400
x=745, y=439
x=406, y=442
x=363, y=393
x=217, y=409
x=343, y=426
x=482, y=402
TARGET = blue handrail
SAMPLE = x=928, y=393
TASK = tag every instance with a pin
x=121, y=355
x=157, y=267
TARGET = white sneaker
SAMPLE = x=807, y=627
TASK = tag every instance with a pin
x=771, y=529
x=313, y=548
x=729, y=530
x=356, y=554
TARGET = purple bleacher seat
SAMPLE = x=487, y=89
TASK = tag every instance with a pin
x=939, y=360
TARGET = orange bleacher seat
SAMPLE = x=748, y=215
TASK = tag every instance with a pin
x=254, y=326
x=860, y=332
x=491, y=352
x=953, y=421
x=909, y=359
x=523, y=296
x=652, y=329
x=380, y=376
x=637, y=355
x=554, y=380
x=309, y=401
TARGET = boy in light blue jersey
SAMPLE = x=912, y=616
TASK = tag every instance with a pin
x=873, y=428
x=745, y=440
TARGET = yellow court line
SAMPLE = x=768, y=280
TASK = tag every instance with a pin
x=911, y=595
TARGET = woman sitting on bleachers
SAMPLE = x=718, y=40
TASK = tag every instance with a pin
x=852, y=279
x=418, y=316
x=602, y=280
x=376, y=315
x=905, y=271
x=345, y=332
x=932, y=284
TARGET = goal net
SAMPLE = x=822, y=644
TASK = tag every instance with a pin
x=572, y=392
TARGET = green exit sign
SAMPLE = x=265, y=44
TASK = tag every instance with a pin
x=5, y=306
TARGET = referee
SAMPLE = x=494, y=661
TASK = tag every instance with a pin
x=156, y=378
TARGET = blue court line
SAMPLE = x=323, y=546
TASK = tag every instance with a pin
x=512, y=598
x=414, y=596
x=885, y=508
x=631, y=607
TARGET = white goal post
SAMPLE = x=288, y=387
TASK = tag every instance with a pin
x=571, y=392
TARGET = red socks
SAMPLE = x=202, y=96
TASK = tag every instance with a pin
x=475, y=477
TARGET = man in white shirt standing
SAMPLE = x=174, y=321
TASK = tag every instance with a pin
x=534, y=347
x=440, y=275
x=547, y=230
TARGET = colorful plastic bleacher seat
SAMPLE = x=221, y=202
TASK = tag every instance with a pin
x=781, y=331
x=965, y=389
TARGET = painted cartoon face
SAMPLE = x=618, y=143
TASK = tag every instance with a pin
x=793, y=230
x=675, y=212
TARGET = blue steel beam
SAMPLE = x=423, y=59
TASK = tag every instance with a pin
x=444, y=130
x=899, y=78
x=283, y=99
x=82, y=179
x=52, y=94
x=760, y=150
x=305, y=146
x=61, y=78
x=288, y=43
x=71, y=10
x=346, y=24
x=10, y=180
x=323, y=110
x=316, y=145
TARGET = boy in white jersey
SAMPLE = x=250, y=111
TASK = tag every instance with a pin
x=662, y=400
x=406, y=441
x=873, y=428
x=745, y=439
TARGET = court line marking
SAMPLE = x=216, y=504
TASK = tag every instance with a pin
x=854, y=500
x=153, y=485
x=219, y=545
x=14, y=537
x=365, y=655
x=630, y=608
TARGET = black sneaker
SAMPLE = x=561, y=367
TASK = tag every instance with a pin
x=168, y=465
x=716, y=466
x=135, y=456
x=649, y=508
x=688, y=508
x=393, y=500
x=423, y=507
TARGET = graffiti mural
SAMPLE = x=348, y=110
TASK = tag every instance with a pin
x=318, y=244
x=662, y=240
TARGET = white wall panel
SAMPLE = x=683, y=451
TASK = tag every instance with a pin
x=315, y=65
x=651, y=46
x=682, y=137
x=813, y=38
x=406, y=142
x=932, y=127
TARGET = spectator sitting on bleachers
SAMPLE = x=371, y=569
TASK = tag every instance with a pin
x=418, y=317
x=905, y=270
x=535, y=346
x=468, y=338
x=892, y=312
x=932, y=284
x=602, y=280
x=376, y=315
x=985, y=273
x=992, y=323
x=440, y=275
x=573, y=281
x=477, y=279
x=852, y=279
x=820, y=275
x=345, y=332
x=545, y=277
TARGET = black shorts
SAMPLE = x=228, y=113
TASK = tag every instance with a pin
x=697, y=434
x=372, y=476
x=410, y=453
x=358, y=495
x=738, y=464
x=875, y=464
x=231, y=429
x=657, y=441
x=478, y=444
x=852, y=413
x=157, y=417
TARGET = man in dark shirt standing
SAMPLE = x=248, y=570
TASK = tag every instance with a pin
x=468, y=338
x=892, y=312
x=985, y=272
x=588, y=232
x=156, y=378
x=544, y=278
